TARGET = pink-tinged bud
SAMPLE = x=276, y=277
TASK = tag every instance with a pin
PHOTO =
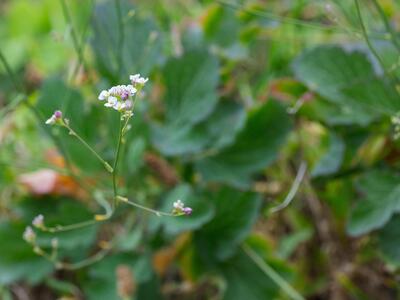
x=187, y=211
x=58, y=114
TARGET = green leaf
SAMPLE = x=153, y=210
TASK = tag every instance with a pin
x=55, y=95
x=63, y=211
x=348, y=79
x=141, y=43
x=256, y=146
x=389, y=240
x=17, y=259
x=101, y=281
x=381, y=200
x=202, y=211
x=332, y=159
x=245, y=280
x=217, y=131
x=236, y=213
x=191, y=82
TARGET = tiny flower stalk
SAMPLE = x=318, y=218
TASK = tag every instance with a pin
x=57, y=119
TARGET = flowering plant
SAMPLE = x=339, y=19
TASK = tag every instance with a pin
x=121, y=98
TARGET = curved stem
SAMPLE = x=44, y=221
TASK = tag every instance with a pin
x=72, y=132
x=156, y=212
x=61, y=228
x=272, y=274
x=293, y=190
x=120, y=34
x=368, y=41
x=389, y=29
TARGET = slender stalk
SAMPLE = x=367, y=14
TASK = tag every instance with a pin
x=367, y=40
x=389, y=29
x=60, y=228
x=72, y=132
x=120, y=34
x=156, y=212
x=10, y=72
x=271, y=273
x=86, y=262
x=293, y=190
x=115, y=166
x=74, y=35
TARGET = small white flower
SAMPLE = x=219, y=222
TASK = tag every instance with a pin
x=178, y=204
x=51, y=120
x=38, y=221
x=137, y=79
x=104, y=95
x=111, y=102
x=29, y=235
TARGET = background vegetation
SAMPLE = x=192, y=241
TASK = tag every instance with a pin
x=243, y=97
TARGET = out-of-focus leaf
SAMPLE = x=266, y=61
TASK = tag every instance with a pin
x=202, y=211
x=17, y=259
x=101, y=281
x=255, y=147
x=332, y=159
x=290, y=242
x=389, y=240
x=381, y=200
x=245, y=280
x=221, y=25
x=55, y=95
x=141, y=43
x=191, y=82
x=136, y=154
x=64, y=211
x=348, y=79
x=217, y=131
x=236, y=213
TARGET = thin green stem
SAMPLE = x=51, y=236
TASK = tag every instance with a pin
x=61, y=228
x=74, y=35
x=120, y=34
x=115, y=166
x=367, y=40
x=271, y=273
x=86, y=262
x=156, y=212
x=389, y=29
x=72, y=132
x=10, y=72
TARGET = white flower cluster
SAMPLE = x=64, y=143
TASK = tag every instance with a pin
x=179, y=208
x=120, y=97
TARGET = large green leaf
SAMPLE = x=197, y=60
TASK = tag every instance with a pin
x=236, y=213
x=348, y=79
x=389, y=240
x=74, y=244
x=255, y=147
x=215, y=132
x=191, y=82
x=141, y=42
x=330, y=162
x=381, y=200
x=101, y=282
x=17, y=259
